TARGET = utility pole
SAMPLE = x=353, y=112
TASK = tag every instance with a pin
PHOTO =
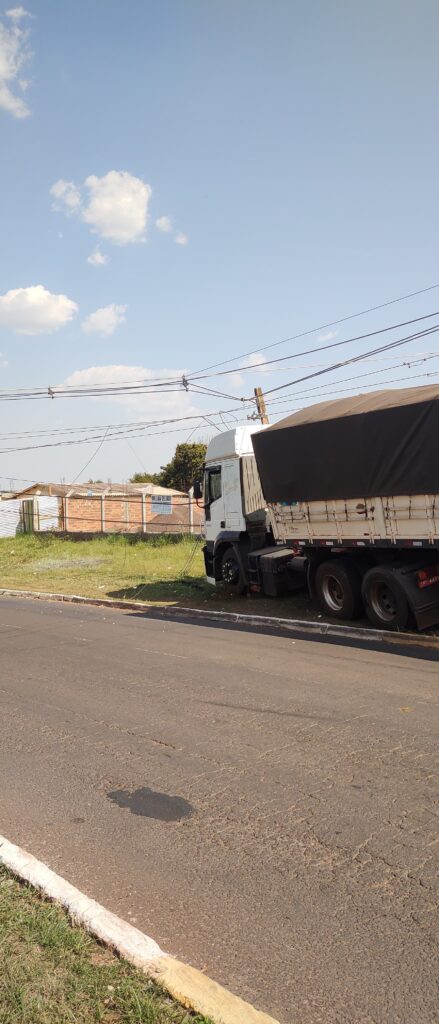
x=260, y=405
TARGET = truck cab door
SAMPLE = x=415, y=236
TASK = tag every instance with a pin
x=232, y=495
x=213, y=501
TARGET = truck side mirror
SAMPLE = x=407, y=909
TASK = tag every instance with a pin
x=198, y=490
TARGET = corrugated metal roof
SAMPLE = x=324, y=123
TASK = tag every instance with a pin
x=91, y=490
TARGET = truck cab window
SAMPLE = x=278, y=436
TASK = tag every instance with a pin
x=212, y=489
x=214, y=484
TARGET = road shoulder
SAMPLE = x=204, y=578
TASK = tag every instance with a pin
x=189, y=986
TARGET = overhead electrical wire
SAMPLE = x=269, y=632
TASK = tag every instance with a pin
x=358, y=376
x=139, y=429
x=141, y=432
x=323, y=327
x=189, y=382
x=322, y=348
x=338, y=391
x=90, y=440
x=356, y=359
x=413, y=360
x=91, y=459
x=125, y=428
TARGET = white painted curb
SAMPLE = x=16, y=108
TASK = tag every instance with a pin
x=329, y=629
x=189, y=986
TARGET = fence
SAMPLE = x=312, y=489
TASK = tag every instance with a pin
x=10, y=518
x=81, y=514
x=138, y=514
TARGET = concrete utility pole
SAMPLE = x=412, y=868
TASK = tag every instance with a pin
x=260, y=405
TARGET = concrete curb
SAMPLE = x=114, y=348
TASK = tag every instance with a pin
x=330, y=629
x=190, y=987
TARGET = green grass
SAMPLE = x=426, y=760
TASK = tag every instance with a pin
x=157, y=570
x=53, y=973
x=102, y=567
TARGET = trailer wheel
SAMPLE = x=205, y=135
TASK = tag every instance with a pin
x=338, y=589
x=385, y=602
x=231, y=573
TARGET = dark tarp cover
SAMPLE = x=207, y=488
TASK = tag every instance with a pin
x=362, y=447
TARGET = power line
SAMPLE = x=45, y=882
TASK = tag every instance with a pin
x=92, y=457
x=359, y=376
x=89, y=440
x=323, y=327
x=121, y=431
x=324, y=348
x=356, y=359
x=137, y=424
x=338, y=391
x=177, y=385
x=140, y=429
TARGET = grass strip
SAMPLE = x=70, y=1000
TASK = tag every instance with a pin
x=54, y=973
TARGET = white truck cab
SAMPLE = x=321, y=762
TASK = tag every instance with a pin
x=233, y=501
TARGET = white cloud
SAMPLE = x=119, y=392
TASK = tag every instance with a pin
x=18, y=13
x=105, y=320
x=3, y=361
x=164, y=224
x=118, y=206
x=14, y=54
x=35, y=310
x=114, y=206
x=328, y=337
x=97, y=258
x=181, y=239
x=67, y=197
x=118, y=374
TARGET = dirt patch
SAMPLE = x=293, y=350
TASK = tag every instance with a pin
x=66, y=563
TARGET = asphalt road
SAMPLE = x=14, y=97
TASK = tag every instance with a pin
x=265, y=808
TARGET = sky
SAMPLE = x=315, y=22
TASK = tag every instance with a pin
x=185, y=182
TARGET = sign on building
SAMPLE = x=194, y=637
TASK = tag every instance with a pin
x=161, y=504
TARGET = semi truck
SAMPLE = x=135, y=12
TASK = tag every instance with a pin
x=340, y=499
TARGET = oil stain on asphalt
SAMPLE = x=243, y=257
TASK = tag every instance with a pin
x=149, y=804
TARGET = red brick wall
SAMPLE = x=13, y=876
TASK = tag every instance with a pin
x=124, y=515
x=83, y=515
x=116, y=515
x=175, y=522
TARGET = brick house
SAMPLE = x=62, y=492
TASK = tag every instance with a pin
x=108, y=508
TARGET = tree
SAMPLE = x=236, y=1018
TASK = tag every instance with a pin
x=179, y=474
x=184, y=468
x=145, y=478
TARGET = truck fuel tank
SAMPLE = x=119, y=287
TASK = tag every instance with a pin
x=276, y=571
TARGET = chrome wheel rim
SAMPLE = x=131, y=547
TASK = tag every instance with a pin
x=332, y=591
x=382, y=601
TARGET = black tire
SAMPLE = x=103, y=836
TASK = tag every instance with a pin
x=231, y=573
x=338, y=589
x=384, y=600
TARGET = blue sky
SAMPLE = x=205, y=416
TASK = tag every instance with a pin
x=293, y=148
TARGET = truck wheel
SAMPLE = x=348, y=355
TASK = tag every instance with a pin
x=385, y=602
x=338, y=589
x=231, y=572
